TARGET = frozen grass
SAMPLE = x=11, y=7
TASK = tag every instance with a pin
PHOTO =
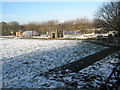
x=92, y=76
x=23, y=59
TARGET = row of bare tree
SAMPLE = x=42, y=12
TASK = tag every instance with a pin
x=42, y=27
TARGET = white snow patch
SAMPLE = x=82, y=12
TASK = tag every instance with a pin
x=23, y=59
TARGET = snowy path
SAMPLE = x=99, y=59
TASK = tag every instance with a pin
x=23, y=59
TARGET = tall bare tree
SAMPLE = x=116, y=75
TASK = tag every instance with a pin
x=31, y=26
x=47, y=26
x=69, y=25
x=108, y=16
x=6, y=29
x=14, y=26
x=83, y=24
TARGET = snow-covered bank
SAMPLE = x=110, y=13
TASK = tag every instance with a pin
x=24, y=59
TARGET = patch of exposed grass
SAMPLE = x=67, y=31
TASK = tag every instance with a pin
x=29, y=38
x=6, y=37
x=58, y=38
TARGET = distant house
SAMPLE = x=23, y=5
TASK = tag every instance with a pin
x=29, y=33
x=18, y=34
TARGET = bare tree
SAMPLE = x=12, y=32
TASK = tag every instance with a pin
x=69, y=25
x=0, y=28
x=47, y=26
x=83, y=24
x=14, y=26
x=5, y=29
x=108, y=16
x=31, y=26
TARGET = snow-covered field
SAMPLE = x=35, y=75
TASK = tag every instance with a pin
x=92, y=76
x=24, y=59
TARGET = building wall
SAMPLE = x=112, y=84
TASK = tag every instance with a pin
x=53, y=32
x=57, y=33
x=18, y=34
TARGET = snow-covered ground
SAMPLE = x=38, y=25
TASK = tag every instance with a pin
x=24, y=59
x=80, y=37
x=92, y=76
